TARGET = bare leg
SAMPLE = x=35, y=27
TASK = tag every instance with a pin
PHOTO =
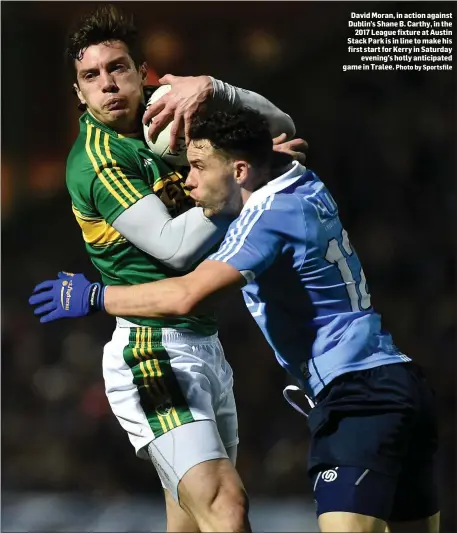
x=213, y=493
x=340, y=522
x=178, y=520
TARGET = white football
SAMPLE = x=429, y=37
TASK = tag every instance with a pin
x=161, y=147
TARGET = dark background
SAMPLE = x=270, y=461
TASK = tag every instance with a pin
x=383, y=142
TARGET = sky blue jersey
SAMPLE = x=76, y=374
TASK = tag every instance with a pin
x=305, y=285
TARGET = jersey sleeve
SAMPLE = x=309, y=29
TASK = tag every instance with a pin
x=228, y=96
x=118, y=181
x=253, y=241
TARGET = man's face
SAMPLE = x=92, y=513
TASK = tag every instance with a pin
x=110, y=85
x=212, y=180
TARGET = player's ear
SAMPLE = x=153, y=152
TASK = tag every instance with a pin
x=143, y=72
x=241, y=171
x=79, y=94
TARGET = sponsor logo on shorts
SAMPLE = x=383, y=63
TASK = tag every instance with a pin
x=329, y=475
x=164, y=409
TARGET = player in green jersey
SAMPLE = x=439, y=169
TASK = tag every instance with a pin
x=167, y=381
x=107, y=173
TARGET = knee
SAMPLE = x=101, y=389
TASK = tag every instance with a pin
x=231, y=506
x=223, y=508
x=214, y=495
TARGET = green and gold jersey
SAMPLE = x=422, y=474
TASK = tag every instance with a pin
x=106, y=174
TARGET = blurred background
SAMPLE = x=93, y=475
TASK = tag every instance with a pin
x=383, y=142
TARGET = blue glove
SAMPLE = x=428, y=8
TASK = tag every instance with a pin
x=69, y=296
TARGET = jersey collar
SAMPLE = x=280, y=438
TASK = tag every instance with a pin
x=87, y=118
x=277, y=185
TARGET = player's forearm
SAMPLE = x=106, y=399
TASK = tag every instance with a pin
x=157, y=299
x=233, y=97
x=196, y=292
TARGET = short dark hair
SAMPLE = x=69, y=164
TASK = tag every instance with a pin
x=106, y=23
x=242, y=133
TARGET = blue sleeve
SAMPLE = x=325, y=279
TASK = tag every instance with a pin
x=253, y=241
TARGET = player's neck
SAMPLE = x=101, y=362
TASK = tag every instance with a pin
x=132, y=130
x=276, y=172
x=257, y=180
x=245, y=195
x=247, y=192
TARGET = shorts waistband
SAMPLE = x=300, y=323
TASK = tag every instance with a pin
x=172, y=334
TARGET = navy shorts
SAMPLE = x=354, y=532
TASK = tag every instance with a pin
x=380, y=424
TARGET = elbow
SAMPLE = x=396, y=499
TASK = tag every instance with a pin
x=282, y=123
x=179, y=262
x=289, y=126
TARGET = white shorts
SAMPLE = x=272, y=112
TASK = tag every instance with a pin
x=157, y=380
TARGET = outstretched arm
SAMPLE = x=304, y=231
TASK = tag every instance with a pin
x=73, y=296
x=181, y=296
x=188, y=93
x=242, y=257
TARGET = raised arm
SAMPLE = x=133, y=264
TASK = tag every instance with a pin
x=188, y=93
x=231, y=97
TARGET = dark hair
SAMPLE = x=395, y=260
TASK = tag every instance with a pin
x=106, y=23
x=242, y=133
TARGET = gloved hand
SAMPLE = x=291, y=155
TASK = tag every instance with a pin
x=68, y=296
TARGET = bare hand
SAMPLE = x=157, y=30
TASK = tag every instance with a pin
x=179, y=104
x=296, y=148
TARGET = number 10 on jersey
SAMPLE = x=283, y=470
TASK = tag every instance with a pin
x=357, y=290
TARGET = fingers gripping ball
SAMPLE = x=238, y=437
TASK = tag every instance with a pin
x=161, y=147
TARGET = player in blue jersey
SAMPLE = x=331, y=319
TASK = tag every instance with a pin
x=373, y=428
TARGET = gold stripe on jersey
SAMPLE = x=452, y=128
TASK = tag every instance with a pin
x=173, y=177
x=99, y=172
x=118, y=169
x=106, y=167
x=96, y=231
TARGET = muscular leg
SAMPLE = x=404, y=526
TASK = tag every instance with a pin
x=193, y=466
x=214, y=494
x=178, y=520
